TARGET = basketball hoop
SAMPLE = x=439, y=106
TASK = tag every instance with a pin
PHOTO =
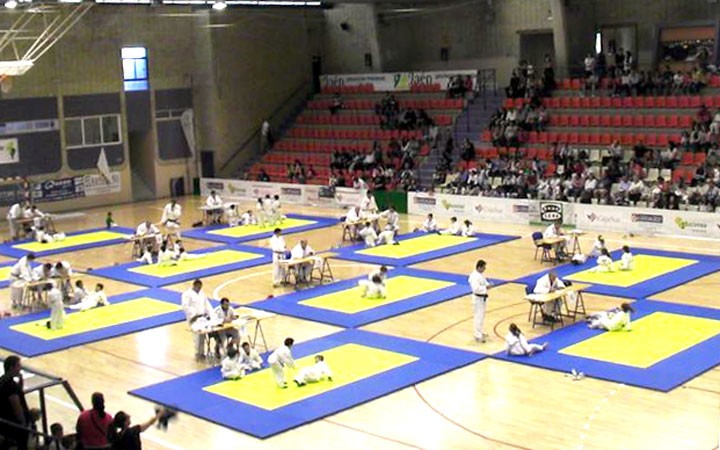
x=5, y=83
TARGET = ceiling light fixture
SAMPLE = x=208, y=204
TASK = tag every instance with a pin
x=11, y=4
x=219, y=6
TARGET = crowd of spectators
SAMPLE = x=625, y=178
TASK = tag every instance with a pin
x=393, y=117
x=527, y=82
x=298, y=173
x=507, y=124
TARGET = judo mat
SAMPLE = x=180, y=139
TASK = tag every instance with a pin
x=79, y=240
x=365, y=366
x=127, y=313
x=206, y=262
x=654, y=271
x=294, y=223
x=419, y=247
x=669, y=345
x=341, y=303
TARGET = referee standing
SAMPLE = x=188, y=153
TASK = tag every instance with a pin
x=479, y=286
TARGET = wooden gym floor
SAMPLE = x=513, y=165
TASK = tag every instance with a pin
x=487, y=405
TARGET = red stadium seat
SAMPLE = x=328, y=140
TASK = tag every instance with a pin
x=638, y=121
x=673, y=121
x=661, y=121
x=584, y=120
x=594, y=139
x=687, y=159
x=627, y=121
x=605, y=121
x=594, y=120
x=685, y=121
x=605, y=102
x=661, y=102
x=650, y=102
x=616, y=121
x=671, y=102
x=649, y=120
x=699, y=159
x=574, y=120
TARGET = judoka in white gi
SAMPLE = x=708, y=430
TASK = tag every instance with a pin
x=393, y=219
x=20, y=274
x=247, y=218
x=467, y=229
x=166, y=257
x=604, y=262
x=42, y=236
x=262, y=218
x=79, y=293
x=300, y=251
x=147, y=255
x=276, y=210
x=62, y=271
x=14, y=214
x=627, y=261
x=547, y=283
x=214, y=207
x=232, y=216
x=374, y=286
x=268, y=207
x=597, y=247
x=479, y=286
x=517, y=345
x=617, y=319
x=149, y=234
x=280, y=359
x=229, y=337
x=198, y=313
x=250, y=358
x=94, y=300
x=278, y=248
x=368, y=205
x=57, y=307
x=315, y=373
x=230, y=367
x=453, y=230
x=553, y=231
x=171, y=217
x=430, y=225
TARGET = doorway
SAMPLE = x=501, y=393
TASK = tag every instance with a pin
x=142, y=165
x=534, y=45
x=207, y=164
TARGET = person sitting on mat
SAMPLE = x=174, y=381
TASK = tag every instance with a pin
x=517, y=345
x=546, y=284
x=231, y=368
x=393, y=219
x=371, y=238
x=57, y=307
x=183, y=255
x=232, y=216
x=166, y=257
x=374, y=286
x=147, y=256
x=250, y=358
x=247, y=218
x=96, y=299
x=314, y=373
x=453, y=230
x=617, y=319
x=627, y=260
x=42, y=236
x=604, y=262
x=430, y=225
x=597, y=247
x=281, y=358
x=467, y=229
x=80, y=293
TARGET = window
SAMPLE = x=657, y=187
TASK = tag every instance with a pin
x=598, y=42
x=92, y=131
x=135, y=68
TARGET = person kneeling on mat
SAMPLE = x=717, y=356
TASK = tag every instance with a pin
x=314, y=373
x=374, y=286
x=517, y=345
x=617, y=319
x=231, y=368
x=94, y=300
x=627, y=260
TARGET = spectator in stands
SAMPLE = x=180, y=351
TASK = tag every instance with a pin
x=548, y=79
x=589, y=64
x=92, y=424
x=456, y=87
x=263, y=176
x=337, y=103
x=311, y=174
x=266, y=136
x=290, y=172
x=13, y=406
x=468, y=151
x=514, y=89
x=468, y=84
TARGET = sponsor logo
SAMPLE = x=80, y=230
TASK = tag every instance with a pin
x=215, y=186
x=236, y=190
x=488, y=209
x=521, y=208
x=646, y=218
x=448, y=206
x=685, y=224
x=291, y=191
x=425, y=201
x=592, y=217
x=551, y=212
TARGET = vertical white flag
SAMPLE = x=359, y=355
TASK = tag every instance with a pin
x=186, y=121
x=102, y=165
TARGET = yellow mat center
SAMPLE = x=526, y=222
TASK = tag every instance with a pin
x=249, y=230
x=98, y=318
x=72, y=241
x=416, y=246
x=209, y=260
x=349, y=363
x=653, y=338
x=5, y=272
x=645, y=268
x=399, y=288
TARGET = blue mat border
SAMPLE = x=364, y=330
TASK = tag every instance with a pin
x=706, y=265
x=13, y=252
x=434, y=360
x=122, y=273
x=663, y=376
x=29, y=346
x=482, y=240
x=289, y=304
x=203, y=233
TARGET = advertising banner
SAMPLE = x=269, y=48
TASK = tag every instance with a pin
x=396, y=81
x=9, y=151
x=99, y=185
x=470, y=207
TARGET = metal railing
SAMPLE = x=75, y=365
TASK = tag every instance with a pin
x=250, y=149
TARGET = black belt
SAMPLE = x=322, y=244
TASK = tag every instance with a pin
x=483, y=296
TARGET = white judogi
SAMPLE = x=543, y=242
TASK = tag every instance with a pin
x=278, y=360
x=393, y=220
x=64, y=271
x=613, y=320
x=171, y=218
x=39, y=218
x=261, y=216
x=543, y=286
x=368, y=204
x=479, y=286
x=297, y=252
x=430, y=225
x=250, y=361
x=233, y=219
x=79, y=294
x=149, y=231
x=277, y=245
x=231, y=368
x=14, y=213
x=468, y=231
x=93, y=300
x=39, y=273
x=269, y=214
x=597, y=248
x=196, y=304
x=372, y=289
x=276, y=211
x=519, y=346
x=368, y=235
x=214, y=206
x=167, y=258
x=314, y=373
x=20, y=273
x=247, y=219
x=627, y=261
x=57, y=309
x=604, y=264
x=352, y=216
x=146, y=257
x=453, y=230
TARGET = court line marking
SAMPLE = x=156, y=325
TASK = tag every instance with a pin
x=146, y=435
